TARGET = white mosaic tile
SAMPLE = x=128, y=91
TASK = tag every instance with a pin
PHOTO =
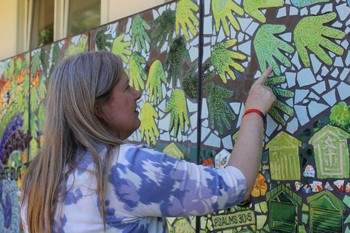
x=227, y=142
x=240, y=36
x=208, y=20
x=315, y=9
x=192, y=107
x=193, y=120
x=343, y=11
x=296, y=61
x=316, y=64
x=305, y=77
x=293, y=11
x=164, y=122
x=320, y=87
x=344, y=74
x=245, y=47
x=327, y=8
x=213, y=141
x=206, y=53
x=332, y=83
x=235, y=107
x=233, y=34
x=244, y=23
x=257, y=74
x=204, y=108
x=271, y=125
x=205, y=123
x=155, y=14
x=128, y=26
x=204, y=133
x=292, y=126
x=162, y=104
x=193, y=136
x=221, y=35
x=304, y=11
x=252, y=28
x=172, y=6
x=343, y=91
x=291, y=78
x=335, y=73
x=330, y=98
x=290, y=102
x=287, y=36
x=281, y=13
x=338, y=62
x=301, y=113
x=193, y=51
x=316, y=108
x=347, y=59
x=239, y=121
x=324, y=71
x=165, y=136
x=345, y=44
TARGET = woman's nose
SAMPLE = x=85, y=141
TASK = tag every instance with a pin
x=138, y=94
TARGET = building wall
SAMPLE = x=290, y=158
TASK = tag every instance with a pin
x=111, y=11
x=8, y=27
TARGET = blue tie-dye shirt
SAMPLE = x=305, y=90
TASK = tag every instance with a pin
x=143, y=186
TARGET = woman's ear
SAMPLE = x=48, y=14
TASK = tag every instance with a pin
x=99, y=112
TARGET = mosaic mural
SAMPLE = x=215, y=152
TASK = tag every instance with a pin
x=303, y=184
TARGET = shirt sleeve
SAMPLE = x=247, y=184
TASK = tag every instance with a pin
x=150, y=183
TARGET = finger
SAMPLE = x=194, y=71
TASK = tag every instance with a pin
x=264, y=76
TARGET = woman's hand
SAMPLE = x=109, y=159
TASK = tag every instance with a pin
x=260, y=96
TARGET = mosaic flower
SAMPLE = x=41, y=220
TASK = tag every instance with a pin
x=260, y=186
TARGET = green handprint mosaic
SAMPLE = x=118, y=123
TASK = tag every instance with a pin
x=178, y=107
x=340, y=116
x=280, y=93
x=223, y=9
x=103, y=39
x=222, y=59
x=120, y=48
x=137, y=73
x=190, y=83
x=186, y=18
x=219, y=110
x=311, y=33
x=139, y=36
x=148, y=126
x=302, y=3
x=178, y=54
x=164, y=27
x=154, y=82
x=252, y=7
x=268, y=47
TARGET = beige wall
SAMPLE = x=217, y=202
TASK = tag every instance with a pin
x=8, y=28
x=121, y=8
x=111, y=10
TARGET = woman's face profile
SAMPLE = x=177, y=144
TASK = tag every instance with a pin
x=119, y=112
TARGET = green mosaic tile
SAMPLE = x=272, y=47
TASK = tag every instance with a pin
x=305, y=218
x=257, y=208
x=264, y=207
x=346, y=200
x=347, y=220
x=347, y=230
x=260, y=221
x=301, y=229
x=305, y=208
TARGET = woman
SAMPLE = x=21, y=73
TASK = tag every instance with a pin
x=87, y=180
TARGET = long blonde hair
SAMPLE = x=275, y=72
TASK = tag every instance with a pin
x=77, y=87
